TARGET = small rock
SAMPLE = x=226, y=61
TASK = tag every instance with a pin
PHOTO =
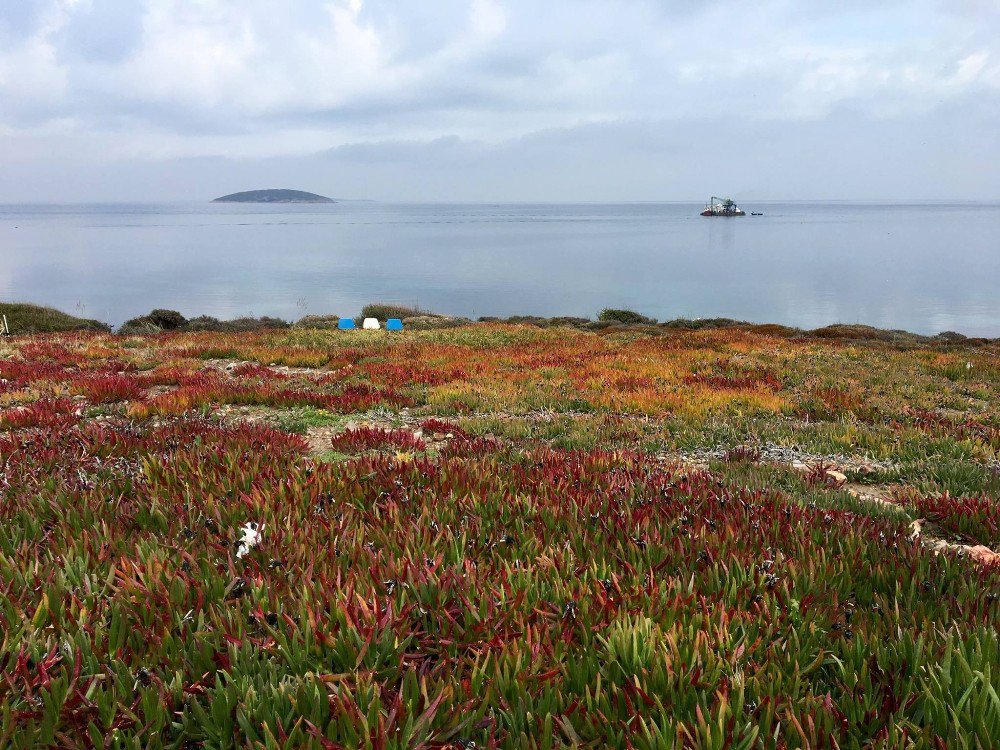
x=983, y=554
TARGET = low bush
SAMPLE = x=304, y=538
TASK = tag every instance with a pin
x=385, y=310
x=171, y=320
x=697, y=324
x=857, y=332
x=24, y=318
x=237, y=325
x=154, y=322
x=629, y=317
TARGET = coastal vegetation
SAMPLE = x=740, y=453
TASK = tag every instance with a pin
x=23, y=318
x=43, y=319
x=612, y=315
x=498, y=536
x=158, y=321
x=383, y=311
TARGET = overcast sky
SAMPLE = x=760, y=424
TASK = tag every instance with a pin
x=507, y=100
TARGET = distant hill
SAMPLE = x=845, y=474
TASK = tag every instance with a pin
x=274, y=196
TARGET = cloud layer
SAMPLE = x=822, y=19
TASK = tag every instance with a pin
x=92, y=91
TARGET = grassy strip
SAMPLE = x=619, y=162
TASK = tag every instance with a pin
x=26, y=318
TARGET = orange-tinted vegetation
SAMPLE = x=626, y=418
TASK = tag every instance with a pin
x=497, y=537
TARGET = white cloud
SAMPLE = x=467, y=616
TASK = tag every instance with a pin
x=173, y=78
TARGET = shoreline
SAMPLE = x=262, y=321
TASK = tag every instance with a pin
x=24, y=318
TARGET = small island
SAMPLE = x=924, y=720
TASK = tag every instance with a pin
x=274, y=196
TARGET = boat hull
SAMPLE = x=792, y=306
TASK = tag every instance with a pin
x=710, y=212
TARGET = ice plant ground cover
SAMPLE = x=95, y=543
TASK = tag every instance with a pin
x=497, y=536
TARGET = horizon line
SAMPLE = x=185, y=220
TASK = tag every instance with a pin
x=211, y=201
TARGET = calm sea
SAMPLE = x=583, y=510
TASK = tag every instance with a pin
x=925, y=268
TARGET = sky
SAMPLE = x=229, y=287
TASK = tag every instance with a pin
x=500, y=100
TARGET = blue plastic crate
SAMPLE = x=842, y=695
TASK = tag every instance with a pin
x=394, y=324
x=346, y=324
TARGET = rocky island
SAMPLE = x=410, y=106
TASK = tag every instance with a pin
x=274, y=196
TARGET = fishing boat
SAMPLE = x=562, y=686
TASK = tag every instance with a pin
x=722, y=207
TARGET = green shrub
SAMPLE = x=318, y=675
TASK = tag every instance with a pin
x=611, y=315
x=858, y=332
x=385, y=310
x=154, y=322
x=171, y=320
x=25, y=318
x=237, y=325
x=697, y=324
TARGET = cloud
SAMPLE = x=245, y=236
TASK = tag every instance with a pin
x=173, y=79
x=924, y=158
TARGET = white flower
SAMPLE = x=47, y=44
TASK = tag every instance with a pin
x=251, y=538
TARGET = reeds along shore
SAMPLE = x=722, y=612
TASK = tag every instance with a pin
x=499, y=536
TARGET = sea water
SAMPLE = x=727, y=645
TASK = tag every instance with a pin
x=924, y=268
